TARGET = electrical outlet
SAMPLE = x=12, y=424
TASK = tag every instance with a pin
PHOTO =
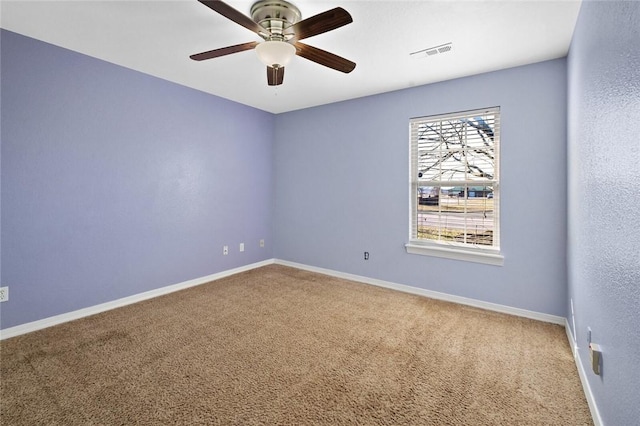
x=241, y=247
x=595, y=353
x=261, y=243
x=4, y=294
x=366, y=255
x=225, y=250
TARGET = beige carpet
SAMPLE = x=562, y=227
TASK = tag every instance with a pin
x=278, y=346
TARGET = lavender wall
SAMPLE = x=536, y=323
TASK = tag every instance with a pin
x=604, y=237
x=341, y=187
x=115, y=182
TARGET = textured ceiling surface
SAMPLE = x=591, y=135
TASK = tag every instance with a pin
x=157, y=37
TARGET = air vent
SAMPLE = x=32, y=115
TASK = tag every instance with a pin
x=432, y=51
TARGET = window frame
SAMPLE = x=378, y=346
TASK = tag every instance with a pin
x=449, y=249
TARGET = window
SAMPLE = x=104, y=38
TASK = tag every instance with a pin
x=455, y=186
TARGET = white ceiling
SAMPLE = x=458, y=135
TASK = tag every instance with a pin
x=157, y=37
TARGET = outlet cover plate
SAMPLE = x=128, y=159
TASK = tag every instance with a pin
x=4, y=294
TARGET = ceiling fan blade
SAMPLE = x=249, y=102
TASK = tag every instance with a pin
x=236, y=16
x=275, y=76
x=321, y=23
x=224, y=51
x=325, y=58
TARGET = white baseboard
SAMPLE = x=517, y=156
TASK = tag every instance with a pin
x=595, y=414
x=431, y=294
x=92, y=310
x=572, y=341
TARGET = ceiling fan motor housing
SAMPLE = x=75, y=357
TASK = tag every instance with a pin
x=276, y=16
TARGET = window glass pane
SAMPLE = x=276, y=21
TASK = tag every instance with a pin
x=449, y=215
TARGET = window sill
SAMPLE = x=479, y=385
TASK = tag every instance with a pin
x=457, y=253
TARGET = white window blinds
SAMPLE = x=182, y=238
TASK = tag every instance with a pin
x=455, y=179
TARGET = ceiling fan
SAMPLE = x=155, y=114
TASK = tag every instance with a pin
x=278, y=23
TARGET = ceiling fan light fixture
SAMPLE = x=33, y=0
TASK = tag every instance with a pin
x=274, y=53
